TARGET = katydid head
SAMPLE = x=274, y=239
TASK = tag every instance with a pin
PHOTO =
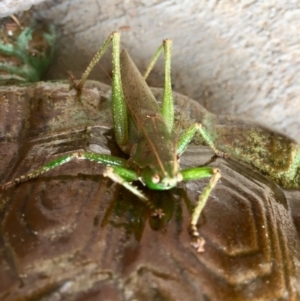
x=158, y=181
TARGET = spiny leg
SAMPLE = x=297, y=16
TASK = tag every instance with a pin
x=168, y=103
x=124, y=176
x=104, y=159
x=115, y=170
x=198, y=173
x=194, y=174
x=187, y=137
x=119, y=109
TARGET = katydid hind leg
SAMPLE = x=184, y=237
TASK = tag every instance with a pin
x=167, y=103
x=95, y=60
x=120, y=118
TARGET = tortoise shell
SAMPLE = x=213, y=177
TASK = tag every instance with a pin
x=75, y=235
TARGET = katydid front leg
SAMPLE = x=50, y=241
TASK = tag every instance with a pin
x=195, y=174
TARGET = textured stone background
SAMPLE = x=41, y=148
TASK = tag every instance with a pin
x=237, y=57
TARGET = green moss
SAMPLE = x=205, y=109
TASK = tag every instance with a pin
x=26, y=49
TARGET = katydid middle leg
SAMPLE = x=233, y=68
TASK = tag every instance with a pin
x=116, y=169
x=99, y=158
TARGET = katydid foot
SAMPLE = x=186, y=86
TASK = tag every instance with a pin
x=197, y=241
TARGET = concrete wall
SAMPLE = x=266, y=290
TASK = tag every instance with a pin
x=234, y=57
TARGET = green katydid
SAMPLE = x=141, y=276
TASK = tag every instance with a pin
x=145, y=133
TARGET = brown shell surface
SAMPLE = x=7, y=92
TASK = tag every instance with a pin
x=72, y=234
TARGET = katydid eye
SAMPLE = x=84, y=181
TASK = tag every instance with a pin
x=155, y=178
